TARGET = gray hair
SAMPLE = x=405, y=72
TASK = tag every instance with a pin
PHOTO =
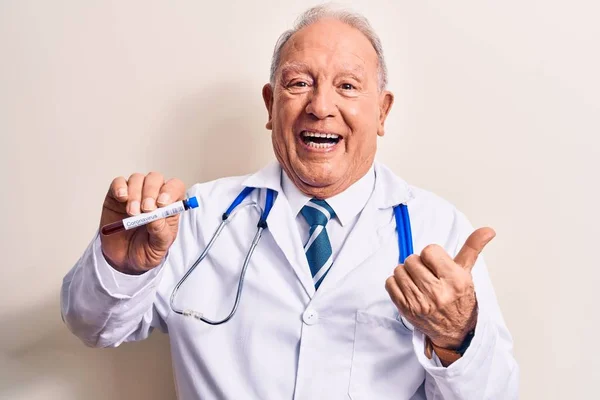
x=327, y=11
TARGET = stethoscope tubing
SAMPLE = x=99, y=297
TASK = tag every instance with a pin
x=403, y=228
x=225, y=219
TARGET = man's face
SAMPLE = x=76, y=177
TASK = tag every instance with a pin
x=325, y=109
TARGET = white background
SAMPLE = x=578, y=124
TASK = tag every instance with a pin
x=497, y=110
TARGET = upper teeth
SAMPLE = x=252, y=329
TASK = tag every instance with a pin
x=322, y=135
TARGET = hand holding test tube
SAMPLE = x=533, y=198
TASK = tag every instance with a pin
x=146, y=218
x=135, y=251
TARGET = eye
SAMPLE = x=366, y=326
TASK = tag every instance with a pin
x=347, y=86
x=298, y=84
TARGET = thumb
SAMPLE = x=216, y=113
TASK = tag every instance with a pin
x=467, y=256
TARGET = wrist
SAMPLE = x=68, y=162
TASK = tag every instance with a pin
x=449, y=343
x=461, y=348
x=448, y=355
x=450, y=349
x=456, y=339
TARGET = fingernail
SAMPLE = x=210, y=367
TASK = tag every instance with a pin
x=134, y=207
x=163, y=198
x=148, y=204
x=122, y=192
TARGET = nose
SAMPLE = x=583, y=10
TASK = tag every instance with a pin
x=321, y=103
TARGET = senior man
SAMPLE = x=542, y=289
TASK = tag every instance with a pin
x=326, y=311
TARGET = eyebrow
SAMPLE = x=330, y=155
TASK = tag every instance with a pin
x=298, y=66
x=294, y=66
x=353, y=69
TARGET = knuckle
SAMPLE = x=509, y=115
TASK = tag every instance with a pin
x=155, y=175
x=175, y=185
x=466, y=289
x=433, y=247
x=411, y=261
x=118, y=180
x=442, y=299
x=462, y=282
x=430, y=251
x=428, y=309
x=175, y=181
x=398, y=272
x=437, y=286
x=388, y=283
x=135, y=175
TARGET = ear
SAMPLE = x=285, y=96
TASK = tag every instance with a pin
x=267, y=93
x=386, y=99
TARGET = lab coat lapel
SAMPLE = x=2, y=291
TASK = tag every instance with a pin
x=282, y=224
x=362, y=241
x=283, y=228
x=366, y=237
x=370, y=231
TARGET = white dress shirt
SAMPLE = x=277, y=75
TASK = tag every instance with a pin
x=288, y=341
x=347, y=206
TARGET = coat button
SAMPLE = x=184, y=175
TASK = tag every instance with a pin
x=310, y=317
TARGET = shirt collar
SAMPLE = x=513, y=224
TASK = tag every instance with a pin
x=389, y=191
x=267, y=178
x=346, y=204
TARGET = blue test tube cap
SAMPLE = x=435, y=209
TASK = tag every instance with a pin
x=192, y=202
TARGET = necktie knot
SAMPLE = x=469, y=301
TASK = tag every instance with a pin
x=317, y=212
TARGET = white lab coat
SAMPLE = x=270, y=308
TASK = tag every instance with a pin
x=286, y=341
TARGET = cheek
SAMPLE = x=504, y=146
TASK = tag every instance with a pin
x=361, y=117
x=285, y=112
x=288, y=107
x=354, y=110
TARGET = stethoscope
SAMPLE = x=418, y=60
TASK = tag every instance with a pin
x=405, y=245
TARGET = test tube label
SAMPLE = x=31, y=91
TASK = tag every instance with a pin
x=146, y=218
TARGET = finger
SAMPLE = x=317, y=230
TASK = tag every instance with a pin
x=437, y=260
x=422, y=276
x=173, y=190
x=160, y=234
x=118, y=189
x=134, y=193
x=395, y=294
x=467, y=256
x=152, y=184
x=409, y=289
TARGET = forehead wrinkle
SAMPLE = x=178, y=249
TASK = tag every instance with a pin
x=337, y=57
x=298, y=66
x=344, y=68
x=337, y=39
x=332, y=49
x=353, y=68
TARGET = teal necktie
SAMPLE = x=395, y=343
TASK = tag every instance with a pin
x=318, y=248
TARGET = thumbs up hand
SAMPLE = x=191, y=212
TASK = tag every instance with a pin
x=436, y=293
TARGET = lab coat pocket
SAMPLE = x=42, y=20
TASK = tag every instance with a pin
x=383, y=362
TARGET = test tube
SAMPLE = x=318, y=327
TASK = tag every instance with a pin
x=146, y=218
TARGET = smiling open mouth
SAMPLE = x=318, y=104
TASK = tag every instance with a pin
x=320, y=140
